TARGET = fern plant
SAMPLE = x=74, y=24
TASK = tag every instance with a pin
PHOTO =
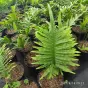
x=21, y=41
x=84, y=23
x=13, y=85
x=5, y=59
x=12, y=19
x=56, y=52
x=4, y=5
x=75, y=10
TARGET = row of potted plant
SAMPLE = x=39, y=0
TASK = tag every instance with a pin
x=40, y=41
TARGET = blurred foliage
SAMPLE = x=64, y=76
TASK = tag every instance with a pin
x=12, y=85
x=24, y=16
x=5, y=5
x=5, y=62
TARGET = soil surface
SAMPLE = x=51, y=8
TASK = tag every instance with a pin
x=30, y=85
x=56, y=82
x=83, y=44
x=53, y=83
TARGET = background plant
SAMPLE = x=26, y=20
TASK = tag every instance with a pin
x=5, y=62
x=12, y=20
x=12, y=85
x=4, y=5
x=84, y=22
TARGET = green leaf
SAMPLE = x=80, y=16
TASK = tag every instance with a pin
x=14, y=26
x=20, y=42
x=26, y=81
x=6, y=86
x=15, y=84
x=59, y=20
x=52, y=24
x=34, y=1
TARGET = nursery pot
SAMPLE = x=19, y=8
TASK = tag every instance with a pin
x=29, y=85
x=29, y=59
x=27, y=48
x=56, y=82
x=17, y=72
x=78, y=30
x=10, y=32
x=83, y=46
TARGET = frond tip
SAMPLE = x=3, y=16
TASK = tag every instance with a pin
x=56, y=52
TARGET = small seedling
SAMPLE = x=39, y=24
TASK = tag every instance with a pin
x=26, y=81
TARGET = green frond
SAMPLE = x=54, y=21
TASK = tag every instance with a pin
x=56, y=52
x=5, y=59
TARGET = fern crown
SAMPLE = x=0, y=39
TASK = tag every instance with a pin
x=56, y=52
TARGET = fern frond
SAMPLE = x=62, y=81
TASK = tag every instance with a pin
x=5, y=59
x=56, y=52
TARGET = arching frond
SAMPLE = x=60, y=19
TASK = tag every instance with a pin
x=5, y=59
